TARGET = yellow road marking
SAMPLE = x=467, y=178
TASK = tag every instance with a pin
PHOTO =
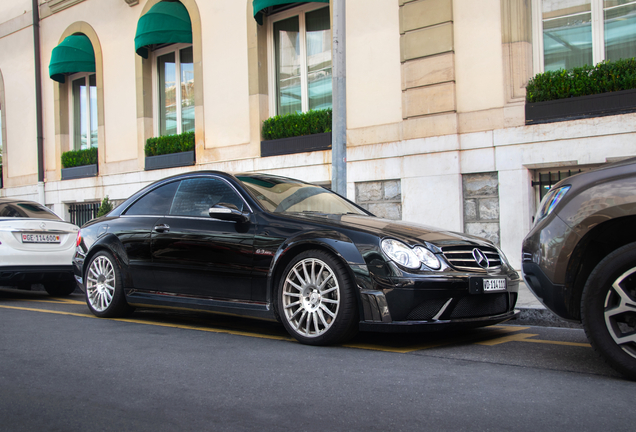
x=518, y=337
x=525, y=337
x=409, y=349
x=160, y=324
x=57, y=301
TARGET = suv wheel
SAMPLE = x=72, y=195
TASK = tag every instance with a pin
x=608, y=309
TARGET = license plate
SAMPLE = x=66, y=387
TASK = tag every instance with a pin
x=492, y=285
x=40, y=238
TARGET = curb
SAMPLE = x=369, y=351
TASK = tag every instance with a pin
x=540, y=316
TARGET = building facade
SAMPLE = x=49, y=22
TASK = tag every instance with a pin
x=437, y=131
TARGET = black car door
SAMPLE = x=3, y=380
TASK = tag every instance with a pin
x=134, y=230
x=196, y=255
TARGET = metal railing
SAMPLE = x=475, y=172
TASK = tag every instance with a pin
x=82, y=213
x=548, y=179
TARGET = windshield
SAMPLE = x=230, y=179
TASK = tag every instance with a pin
x=26, y=210
x=283, y=195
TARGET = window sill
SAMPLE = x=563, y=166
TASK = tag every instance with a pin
x=79, y=172
x=598, y=105
x=170, y=160
x=301, y=144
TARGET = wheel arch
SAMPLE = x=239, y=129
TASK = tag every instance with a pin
x=595, y=245
x=112, y=244
x=336, y=244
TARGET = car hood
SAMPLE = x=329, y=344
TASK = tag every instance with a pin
x=408, y=232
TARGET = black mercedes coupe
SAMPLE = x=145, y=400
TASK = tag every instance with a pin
x=274, y=248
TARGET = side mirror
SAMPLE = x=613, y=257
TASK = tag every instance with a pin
x=228, y=212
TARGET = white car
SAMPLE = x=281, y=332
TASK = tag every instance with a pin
x=36, y=247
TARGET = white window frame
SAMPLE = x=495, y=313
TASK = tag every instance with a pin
x=175, y=48
x=598, y=33
x=71, y=105
x=271, y=55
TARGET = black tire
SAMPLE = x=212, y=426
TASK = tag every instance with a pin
x=322, y=298
x=103, y=287
x=612, y=331
x=60, y=289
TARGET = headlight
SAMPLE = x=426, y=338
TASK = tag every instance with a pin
x=410, y=258
x=550, y=201
x=401, y=253
x=427, y=257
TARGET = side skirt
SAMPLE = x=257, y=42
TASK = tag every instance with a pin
x=257, y=310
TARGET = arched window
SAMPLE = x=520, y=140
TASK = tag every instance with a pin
x=299, y=54
x=164, y=36
x=74, y=58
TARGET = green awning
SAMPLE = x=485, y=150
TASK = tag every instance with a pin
x=74, y=54
x=165, y=23
x=259, y=5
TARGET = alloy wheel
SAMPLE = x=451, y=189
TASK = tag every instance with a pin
x=311, y=297
x=100, y=283
x=620, y=311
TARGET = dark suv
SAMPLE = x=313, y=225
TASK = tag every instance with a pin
x=580, y=258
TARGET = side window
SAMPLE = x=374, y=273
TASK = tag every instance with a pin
x=196, y=196
x=155, y=202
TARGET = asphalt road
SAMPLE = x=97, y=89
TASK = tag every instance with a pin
x=61, y=369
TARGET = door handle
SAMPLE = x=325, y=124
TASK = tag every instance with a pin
x=162, y=228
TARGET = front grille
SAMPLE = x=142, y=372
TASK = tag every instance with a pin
x=462, y=257
x=426, y=310
x=480, y=306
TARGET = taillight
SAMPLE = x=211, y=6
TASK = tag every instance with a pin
x=79, y=238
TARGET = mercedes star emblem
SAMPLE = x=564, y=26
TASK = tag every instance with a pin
x=480, y=258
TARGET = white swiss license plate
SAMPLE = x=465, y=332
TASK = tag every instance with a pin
x=40, y=238
x=492, y=285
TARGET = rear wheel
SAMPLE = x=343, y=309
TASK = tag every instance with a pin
x=104, y=289
x=316, y=300
x=60, y=289
x=608, y=309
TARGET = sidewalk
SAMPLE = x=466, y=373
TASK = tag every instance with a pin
x=534, y=313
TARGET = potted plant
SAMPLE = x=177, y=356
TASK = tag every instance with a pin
x=297, y=133
x=79, y=163
x=608, y=88
x=170, y=151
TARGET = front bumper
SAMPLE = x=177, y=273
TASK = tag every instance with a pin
x=435, y=302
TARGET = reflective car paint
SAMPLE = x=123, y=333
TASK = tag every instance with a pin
x=239, y=272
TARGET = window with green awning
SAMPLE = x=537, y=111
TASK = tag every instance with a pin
x=165, y=23
x=74, y=54
x=259, y=5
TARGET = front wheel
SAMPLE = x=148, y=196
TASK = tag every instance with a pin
x=608, y=309
x=104, y=289
x=316, y=301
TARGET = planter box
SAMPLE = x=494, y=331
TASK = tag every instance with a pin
x=170, y=160
x=301, y=144
x=79, y=172
x=603, y=104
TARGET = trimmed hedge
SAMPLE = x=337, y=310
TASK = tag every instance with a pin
x=75, y=158
x=605, y=77
x=169, y=144
x=298, y=124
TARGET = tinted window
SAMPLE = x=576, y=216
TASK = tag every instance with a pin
x=283, y=195
x=26, y=210
x=155, y=202
x=196, y=196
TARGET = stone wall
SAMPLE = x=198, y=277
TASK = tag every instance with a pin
x=382, y=198
x=481, y=205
